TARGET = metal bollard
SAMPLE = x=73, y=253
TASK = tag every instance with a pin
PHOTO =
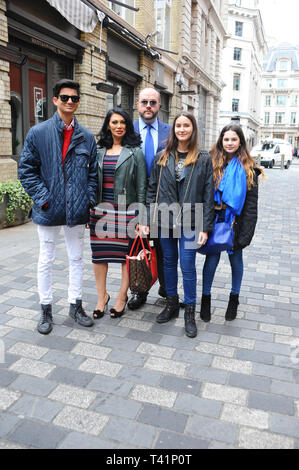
x=259, y=159
x=282, y=162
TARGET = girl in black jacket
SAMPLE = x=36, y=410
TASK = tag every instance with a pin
x=236, y=199
x=181, y=184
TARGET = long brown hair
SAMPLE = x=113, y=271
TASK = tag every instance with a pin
x=219, y=157
x=172, y=142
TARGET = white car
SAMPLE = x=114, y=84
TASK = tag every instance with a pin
x=270, y=151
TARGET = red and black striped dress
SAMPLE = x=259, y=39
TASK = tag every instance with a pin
x=108, y=225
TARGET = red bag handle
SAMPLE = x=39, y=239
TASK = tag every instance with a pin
x=139, y=238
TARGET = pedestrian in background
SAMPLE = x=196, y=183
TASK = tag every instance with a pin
x=121, y=173
x=182, y=174
x=154, y=135
x=58, y=170
x=236, y=201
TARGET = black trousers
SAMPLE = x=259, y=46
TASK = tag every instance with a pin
x=160, y=264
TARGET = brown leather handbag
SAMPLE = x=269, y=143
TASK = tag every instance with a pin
x=141, y=265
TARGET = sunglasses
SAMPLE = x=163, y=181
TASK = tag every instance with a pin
x=151, y=102
x=65, y=98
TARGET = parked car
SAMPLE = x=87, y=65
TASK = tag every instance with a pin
x=270, y=152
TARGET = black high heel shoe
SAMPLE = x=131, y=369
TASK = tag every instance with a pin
x=100, y=313
x=115, y=314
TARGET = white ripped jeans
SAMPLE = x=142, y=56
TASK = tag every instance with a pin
x=74, y=239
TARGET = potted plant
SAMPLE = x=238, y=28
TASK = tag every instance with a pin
x=15, y=204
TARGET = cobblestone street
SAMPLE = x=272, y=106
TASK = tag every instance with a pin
x=131, y=383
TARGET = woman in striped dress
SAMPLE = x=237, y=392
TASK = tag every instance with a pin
x=122, y=182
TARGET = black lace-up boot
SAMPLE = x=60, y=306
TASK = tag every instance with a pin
x=78, y=314
x=190, y=325
x=232, y=307
x=45, y=324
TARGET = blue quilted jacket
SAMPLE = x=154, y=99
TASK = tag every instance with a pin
x=69, y=191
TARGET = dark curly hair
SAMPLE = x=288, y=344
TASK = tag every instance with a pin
x=131, y=139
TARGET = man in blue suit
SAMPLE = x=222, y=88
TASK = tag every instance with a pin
x=154, y=135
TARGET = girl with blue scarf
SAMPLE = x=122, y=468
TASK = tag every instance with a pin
x=236, y=200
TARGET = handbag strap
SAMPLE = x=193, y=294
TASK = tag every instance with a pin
x=157, y=194
x=139, y=239
x=188, y=184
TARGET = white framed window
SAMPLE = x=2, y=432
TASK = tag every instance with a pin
x=281, y=100
x=238, y=28
x=294, y=100
x=282, y=83
x=235, y=105
x=268, y=100
x=279, y=118
x=238, y=54
x=293, y=117
x=267, y=118
x=163, y=23
x=236, y=82
x=125, y=13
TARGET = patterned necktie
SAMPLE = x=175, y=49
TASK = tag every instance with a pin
x=149, y=149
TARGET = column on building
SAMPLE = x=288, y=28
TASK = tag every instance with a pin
x=8, y=167
x=210, y=130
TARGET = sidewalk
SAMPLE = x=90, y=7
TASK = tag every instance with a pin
x=131, y=383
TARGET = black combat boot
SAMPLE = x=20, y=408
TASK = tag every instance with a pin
x=190, y=325
x=205, y=309
x=231, y=311
x=78, y=314
x=171, y=310
x=45, y=324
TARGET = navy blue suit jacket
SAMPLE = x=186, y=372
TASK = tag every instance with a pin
x=163, y=131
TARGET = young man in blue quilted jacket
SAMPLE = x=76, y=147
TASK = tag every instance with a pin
x=58, y=169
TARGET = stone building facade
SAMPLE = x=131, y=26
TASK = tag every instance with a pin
x=280, y=94
x=173, y=45
x=242, y=71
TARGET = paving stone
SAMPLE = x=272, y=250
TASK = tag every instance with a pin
x=245, y=416
x=285, y=425
x=138, y=375
x=98, y=366
x=74, y=396
x=255, y=439
x=34, y=434
x=233, y=365
x=250, y=382
x=154, y=395
x=28, y=350
x=273, y=372
x=269, y=402
x=254, y=356
x=172, y=440
x=208, y=374
x=7, y=397
x=33, y=385
x=7, y=377
x=218, y=350
x=35, y=407
x=180, y=384
x=81, y=420
x=155, y=350
x=198, y=406
x=224, y=393
x=91, y=350
x=129, y=432
x=70, y=376
x=8, y=422
x=208, y=428
x=167, y=366
x=159, y=417
x=116, y=406
x=76, y=440
x=32, y=367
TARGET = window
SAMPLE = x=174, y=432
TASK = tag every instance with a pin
x=268, y=100
x=291, y=140
x=279, y=118
x=269, y=83
x=281, y=100
x=293, y=118
x=235, y=105
x=163, y=23
x=238, y=28
x=283, y=65
x=237, y=54
x=282, y=83
x=236, y=81
x=125, y=13
x=238, y=3
x=294, y=100
x=267, y=118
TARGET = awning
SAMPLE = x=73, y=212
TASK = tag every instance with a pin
x=78, y=14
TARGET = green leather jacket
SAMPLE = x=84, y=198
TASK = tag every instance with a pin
x=130, y=178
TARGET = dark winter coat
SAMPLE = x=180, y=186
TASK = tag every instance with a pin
x=130, y=177
x=245, y=223
x=68, y=190
x=201, y=189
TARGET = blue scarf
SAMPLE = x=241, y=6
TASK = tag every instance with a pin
x=232, y=189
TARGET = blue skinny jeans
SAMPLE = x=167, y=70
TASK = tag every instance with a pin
x=173, y=249
x=210, y=266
